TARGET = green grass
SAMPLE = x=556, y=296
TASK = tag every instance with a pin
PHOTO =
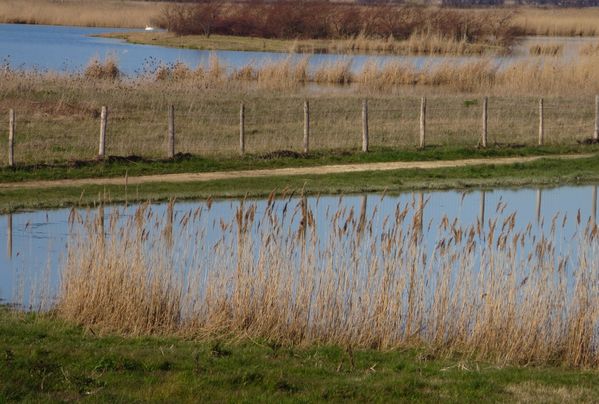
x=120, y=166
x=544, y=172
x=45, y=360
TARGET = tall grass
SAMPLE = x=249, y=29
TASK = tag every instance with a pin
x=486, y=290
x=106, y=13
x=558, y=21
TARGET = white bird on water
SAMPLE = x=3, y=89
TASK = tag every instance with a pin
x=149, y=28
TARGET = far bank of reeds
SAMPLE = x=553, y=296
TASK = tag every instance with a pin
x=85, y=13
x=484, y=290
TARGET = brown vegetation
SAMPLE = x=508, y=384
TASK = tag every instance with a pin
x=546, y=49
x=557, y=21
x=107, y=70
x=289, y=20
x=486, y=290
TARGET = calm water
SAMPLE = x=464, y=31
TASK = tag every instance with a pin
x=70, y=49
x=33, y=248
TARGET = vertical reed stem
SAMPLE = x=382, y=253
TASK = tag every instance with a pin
x=485, y=120
x=422, y=122
x=9, y=235
x=596, y=132
x=594, y=205
x=242, y=129
x=103, y=124
x=365, y=126
x=539, y=197
x=11, y=138
x=306, y=126
x=541, y=123
x=171, y=132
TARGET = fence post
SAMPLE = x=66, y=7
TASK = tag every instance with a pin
x=171, y=132
x=365, y=126
x=541, y=123
x=422, y=122
x=242, y=129
x=596, y=133
x=306, y=126
x=485, y=120
x=11, y=138
x=103, y=122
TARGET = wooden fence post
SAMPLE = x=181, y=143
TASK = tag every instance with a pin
x=365, y=126
x=171, y=132
x=103, y=122
x=485, y=120
x=596, y=133
x=541, y=123
x=242, y=129
x=11, y=138
x=422, y=122
x=306, y=126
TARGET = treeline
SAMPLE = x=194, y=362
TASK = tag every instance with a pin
x=322, y=19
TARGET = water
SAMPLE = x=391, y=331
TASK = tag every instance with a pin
x=33, y=244
x=69, y=49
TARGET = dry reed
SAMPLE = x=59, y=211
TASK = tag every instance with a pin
x=486, y=290
x=114, y=14
x=546, y=49
x=558, y=21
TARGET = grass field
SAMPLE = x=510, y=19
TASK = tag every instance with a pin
x=58, y=116
x=48, y=360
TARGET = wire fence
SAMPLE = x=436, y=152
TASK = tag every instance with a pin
x=215, y=127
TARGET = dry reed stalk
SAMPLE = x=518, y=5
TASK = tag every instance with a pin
x=551, y=49
x=493, y=292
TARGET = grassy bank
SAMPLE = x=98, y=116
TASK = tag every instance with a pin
x=415, y=45
x=539, y=173
x=134, y=166
x=46, y=359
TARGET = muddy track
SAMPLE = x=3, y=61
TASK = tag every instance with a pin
x=276, y=172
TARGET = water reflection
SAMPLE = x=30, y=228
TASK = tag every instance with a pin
x=36, y=242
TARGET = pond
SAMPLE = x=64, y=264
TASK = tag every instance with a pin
x=60, y=48
x=34, y=245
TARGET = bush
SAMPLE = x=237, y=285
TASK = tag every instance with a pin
x=318, y=19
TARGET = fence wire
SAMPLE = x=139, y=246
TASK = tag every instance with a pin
x=212, y=127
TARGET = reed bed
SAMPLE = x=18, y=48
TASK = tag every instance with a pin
x=557, y=21
x=111, y=13
x=294, y=273
x=546, y=49
x=58, y=114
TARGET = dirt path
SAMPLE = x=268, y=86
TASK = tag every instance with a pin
x=276, y=172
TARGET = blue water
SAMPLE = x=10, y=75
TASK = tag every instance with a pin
x=69, y=49
x=31, y=252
